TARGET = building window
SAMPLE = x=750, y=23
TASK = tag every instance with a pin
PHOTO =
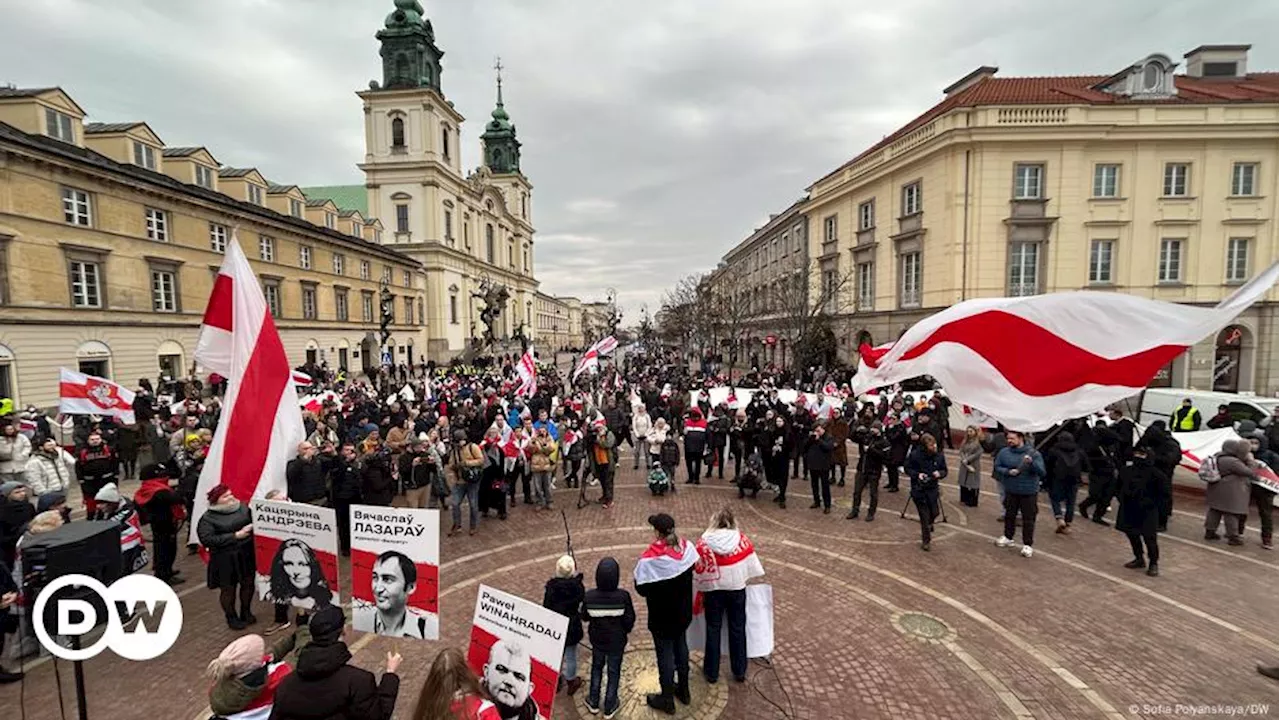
x=366, y=306
x=339, y=264
x=357, y=229
x=58, y=126
x=867, y=215
x=271, y=291
x=911, y=279
x=295, y=207
x=144, y=155
x=1101, y=254
x=308, y=302
x=364, y=269
x=1106, y=181
x=86, y=284
x=511, y=254
x=524, y=205
x=1170, y=269
x=218, y=237
x=397, y=133
x=866, y=286
x=304, y=257
x=330, y=220
x=1176, y=176
x=402, y=218
x=76, y=209
x=377, y=237
x=408, y=278
x=1243, y=179
x=422, y=315
x=444, y=142
x=157, y=225
x=453, y=309
x=386, y=274
x=448, y=226
x=912, y=199
x=1028, y=182
x=1237, y=260
x=204, y=177
x=1024, y=269
x=266, y=248
x=255, y=193
x=526, y=259
x=164, y=291
x=830, y=229
x=408, y=311
x=340, y=304
x=489, y=249
x=466, y=232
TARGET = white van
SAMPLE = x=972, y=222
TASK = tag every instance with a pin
x=1159, y=404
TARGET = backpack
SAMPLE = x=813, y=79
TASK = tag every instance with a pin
x=1209, y=470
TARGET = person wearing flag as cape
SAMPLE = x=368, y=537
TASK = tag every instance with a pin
x=664, y=578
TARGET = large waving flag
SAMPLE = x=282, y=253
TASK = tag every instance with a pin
x=80, y=394
x=1030, y=362
x=261, y=421
x=528, y=372
x=591, y=358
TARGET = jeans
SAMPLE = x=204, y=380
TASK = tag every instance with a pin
x=872, y=484
x=642, y=452
x=718, y=605
x=1026, y=504
x=1064, y=495
x=599, y=661
x=820, y=483
x=673, y=662
x=470, y=491
x=542, y=487
x=569, y=662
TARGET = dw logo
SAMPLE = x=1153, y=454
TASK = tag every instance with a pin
x=150, y=607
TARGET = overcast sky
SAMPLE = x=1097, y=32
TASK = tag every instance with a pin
x=657, y=133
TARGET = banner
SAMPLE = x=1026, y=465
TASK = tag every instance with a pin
x=295, y=550
x=1196, y=446
x=516, y=646
x=759, y=624
x=395, y=571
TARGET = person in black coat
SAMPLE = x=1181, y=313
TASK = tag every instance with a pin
x=15, y=512
x=899, y=444
x=670, y=603
x=164, y=511
x=926, y=466
x=323, y=686
x=1142, y=486
x=801, y=426
x=818, y=451
x=96, y=465
x=564, y=594
x=1066, y=463
x=1101, y=456
x=774, y=439
x=610, y=619
x=873, y=454
x=345, y=490
x=1166, y=452
x=306, y=476
x=376, y=484
x=226, y=529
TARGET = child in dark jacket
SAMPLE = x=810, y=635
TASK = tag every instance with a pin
x=564, y=594
x=610, y=618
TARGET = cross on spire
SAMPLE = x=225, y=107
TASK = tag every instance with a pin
x=497, y=66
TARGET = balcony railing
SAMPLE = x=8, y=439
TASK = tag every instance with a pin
x=1031, y=116
x=1024, y=289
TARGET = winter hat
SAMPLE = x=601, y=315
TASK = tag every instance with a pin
x=241, y=657
x=108, y=494
x=7, y=488
x=326, y=624
x=216, y=492
x=48, y=500
x=565, y=567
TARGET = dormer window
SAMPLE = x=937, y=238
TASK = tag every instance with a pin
x=204, y=177
x=144, y=155
x=295, y=207
x=255, y=194
x=58, y=126
x=330, y=220
x=1152, y=75
x=1148, y=79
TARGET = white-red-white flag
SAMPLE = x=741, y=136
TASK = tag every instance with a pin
x=80, y=394
x=591, y=358
x=261, y=421
x=527, y=369
x=1030, y=362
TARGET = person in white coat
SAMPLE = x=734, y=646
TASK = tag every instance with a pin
x=640, y=427
x=50, y=469
x=15, y=450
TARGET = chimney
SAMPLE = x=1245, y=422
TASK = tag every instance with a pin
x=970, y=80
x=1224, y=61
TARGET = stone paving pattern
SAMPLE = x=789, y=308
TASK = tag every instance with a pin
x=867, y=625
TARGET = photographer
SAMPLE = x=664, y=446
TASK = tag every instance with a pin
x=819, y=450
x=376, y=483
x=871, y=461
x=603, y=457
x=925, y=467
x=418, y=467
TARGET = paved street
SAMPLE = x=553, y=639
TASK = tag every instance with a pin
x=867, y=625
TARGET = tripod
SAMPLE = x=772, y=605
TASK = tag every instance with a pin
x=941, y=508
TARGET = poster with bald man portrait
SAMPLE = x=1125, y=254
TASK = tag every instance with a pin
x=515, y=648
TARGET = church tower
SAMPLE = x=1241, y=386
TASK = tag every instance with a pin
x=502, y=156
x=410, y=58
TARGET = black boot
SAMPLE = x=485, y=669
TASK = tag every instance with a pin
x=1136, y=564
x=247, y=617
x=682, y=692
x=235, y=623
x=661, y=702
x=1152, y=570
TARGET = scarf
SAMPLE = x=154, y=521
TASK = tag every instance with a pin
x=661, y=561
x=726, y=561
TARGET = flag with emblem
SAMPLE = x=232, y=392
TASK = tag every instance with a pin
x=80, y=394
x=591, y=358
x=528, y=372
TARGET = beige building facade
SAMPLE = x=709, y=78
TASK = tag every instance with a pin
x=110, y=242
x=1151, y=181
x=557, y=323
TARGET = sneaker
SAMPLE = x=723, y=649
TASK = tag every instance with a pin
x=1234, y=541
x=1136, y=564
x=1101, y=522
x=275, y=628
x=1003, y=542
x=593, y=709
x=1026, y=551
x=610, y=714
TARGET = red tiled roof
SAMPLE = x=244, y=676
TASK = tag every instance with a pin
x=1079, y=89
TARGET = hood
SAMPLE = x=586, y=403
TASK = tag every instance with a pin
x=607, y=573
x=316, y=661
x=1237, y=448
x=723, y=541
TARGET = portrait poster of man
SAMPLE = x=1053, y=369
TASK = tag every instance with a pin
x=395, y=571
x=515, y=648
x=295, y=549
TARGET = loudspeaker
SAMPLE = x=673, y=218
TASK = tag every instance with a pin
x=89, y=547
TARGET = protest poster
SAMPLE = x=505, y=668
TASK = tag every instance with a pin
x=395, y=571
x=295, y=548
x=516, y=646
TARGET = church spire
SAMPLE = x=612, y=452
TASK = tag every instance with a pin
x=501, y=149
x=410, y=58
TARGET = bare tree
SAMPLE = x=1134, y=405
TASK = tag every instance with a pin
x=680, y=321
x=731, y=314
x=804, y=301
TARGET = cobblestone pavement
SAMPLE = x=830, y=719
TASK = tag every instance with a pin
x=867, y=625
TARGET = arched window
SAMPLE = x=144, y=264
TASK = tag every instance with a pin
x=444, y=142
x=397, y=133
